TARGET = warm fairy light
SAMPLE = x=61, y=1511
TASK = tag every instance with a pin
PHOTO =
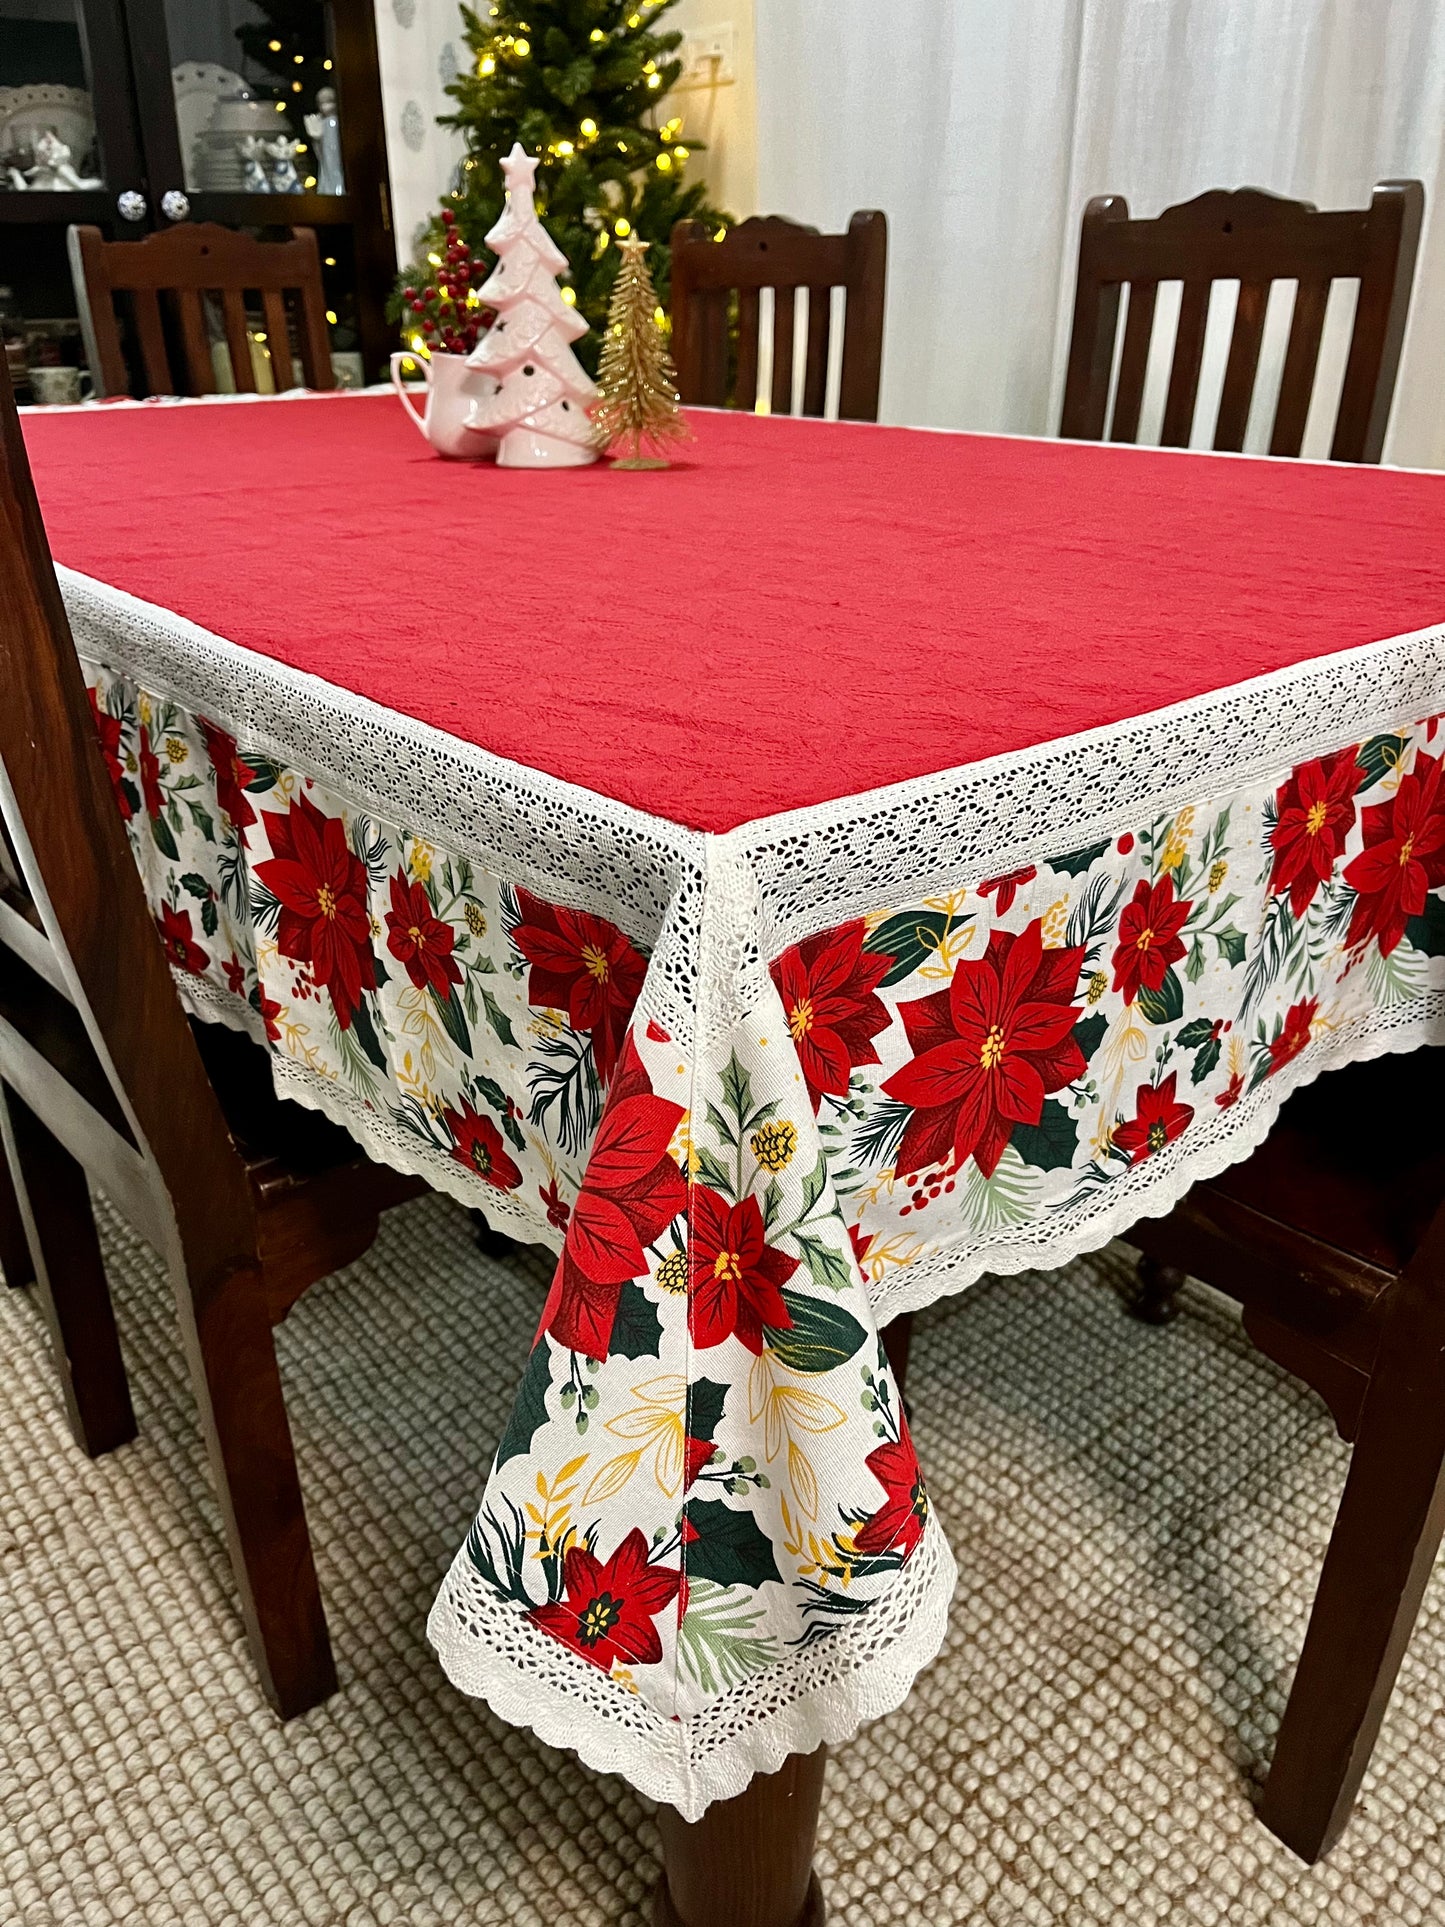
x=654, y=80
x=565, y=147
x=521, y=48
x=762, y=406
x=280, y=107
x=596, y=33
x=331, y=316
x=622, y=228
x=664, y=163
x=274, y=45
x=721, y=235
x=659, y=315
x=258, y=334
x=634, y=20
x=588, y=128
x=330, y=261
x=486, y=65
x=421, y=348
x=300, y=59
x=649, y=66
x=435, y=259
x=310, y=180
x=474, y=297
x=569, y=295
x=327, y=65
x=680, y=152
x=669, y=128
x=296, y=86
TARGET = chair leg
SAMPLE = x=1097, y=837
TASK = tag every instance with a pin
x=53, y=1204
x=492, y=1244
x=1157, y=1287
x=232, y=1355
x=1375, y=1571
x=14, y=1246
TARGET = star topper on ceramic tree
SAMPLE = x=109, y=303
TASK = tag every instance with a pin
x=538, y=406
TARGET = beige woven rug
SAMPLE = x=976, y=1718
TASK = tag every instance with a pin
x=1138, y=1516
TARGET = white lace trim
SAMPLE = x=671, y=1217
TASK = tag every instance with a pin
x=820, y=1697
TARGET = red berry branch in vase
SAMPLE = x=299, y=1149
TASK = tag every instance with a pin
x=446, y=316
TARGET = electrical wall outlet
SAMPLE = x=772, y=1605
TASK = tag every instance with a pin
x=710, y=56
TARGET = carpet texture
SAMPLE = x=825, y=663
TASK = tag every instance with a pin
x=1139, y=1517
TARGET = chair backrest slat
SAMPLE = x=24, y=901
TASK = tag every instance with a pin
x=770, y=252
x=1255, y=239
x=182, y=264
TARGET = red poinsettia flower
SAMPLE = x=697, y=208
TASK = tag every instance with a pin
x=477, y=1143
x=585, y=966
x=108, y=729
x=1149, y=937
x=1294, y=1036
x=270, y=1011
x=827, y=985
x=897, y=1525
x=988, y=1051
x=321, y=886
x=1403, y=859
x=181, y=947
x=735, y=1277
x=860, y=1241
x=1158, y=1120
x=1005, y=888
x=420, y=939
x=558, y=1209
x=232, y=773
x=631, y=1191
x=150, y=775
x=235, y=976
x=1315, y=812
x=609, y=1609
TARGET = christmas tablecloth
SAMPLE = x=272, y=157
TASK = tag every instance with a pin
x=790, y=886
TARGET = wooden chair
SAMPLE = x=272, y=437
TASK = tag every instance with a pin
x=248, y=1199
x=1253, y=238
x=183, y=263
x=769, y=252
x=1332, y=1235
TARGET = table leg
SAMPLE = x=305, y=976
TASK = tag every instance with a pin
x=748, y=1862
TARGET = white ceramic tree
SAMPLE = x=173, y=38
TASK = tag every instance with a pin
x=538, y=408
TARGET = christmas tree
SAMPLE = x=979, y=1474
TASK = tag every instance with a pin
x=580, y=84
x=637, y=409
x=538, y=408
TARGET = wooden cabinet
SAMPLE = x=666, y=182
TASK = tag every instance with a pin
x=135, y=114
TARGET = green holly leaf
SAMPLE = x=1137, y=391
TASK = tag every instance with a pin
x=165, y=840
x=364, y=1031
x=814, y=1185
x=828, y=1267
x=637, y=1329
x=1197, y=1031
x=1089, y=1033
x=713, y=1173
x=454, y=1019
x=1050, y=1144
x=1232, y=943
x=500, y=1022
x=1077, y=861
x=1380, y=756
x=529, y=1410
x=202, y=820
x=267, y=774
x=1194, y=963
x=737, y=1088
x=910, y=938
x=1205, y=1062
x=822, y=1336
x=1427, y=931
x=705, y=1401
x=729, y=1549
x=196, y=885
x=1164, y=1005
x=209, y=919
x=721, y=1125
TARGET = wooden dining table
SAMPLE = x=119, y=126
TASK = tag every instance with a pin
x=789, y=885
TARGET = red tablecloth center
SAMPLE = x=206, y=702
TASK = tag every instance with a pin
x=798, y=612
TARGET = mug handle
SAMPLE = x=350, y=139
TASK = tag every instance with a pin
x=405, y=390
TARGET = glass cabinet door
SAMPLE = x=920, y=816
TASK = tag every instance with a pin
x=59, y=133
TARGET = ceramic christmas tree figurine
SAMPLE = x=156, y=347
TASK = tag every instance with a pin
x=636, y=414
x=538, y=408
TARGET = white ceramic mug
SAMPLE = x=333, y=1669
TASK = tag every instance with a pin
x=59, y=387
x=451, y=388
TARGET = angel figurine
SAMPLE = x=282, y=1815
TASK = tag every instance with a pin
x=282, y=152
x=324, y=132
x=53, y=171
x=253, y=162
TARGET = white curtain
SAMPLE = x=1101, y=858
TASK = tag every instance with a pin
x=420, y=46
x=982, y=129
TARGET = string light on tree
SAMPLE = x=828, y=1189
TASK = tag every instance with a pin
x=636, y=412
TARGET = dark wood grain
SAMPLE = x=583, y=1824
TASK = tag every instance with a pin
x=1256, y=239
x=246, y=1203
x=770, y=252
x=15, y=1260
x=179, y=266
x=749, y=1861
x=1332, y=1236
